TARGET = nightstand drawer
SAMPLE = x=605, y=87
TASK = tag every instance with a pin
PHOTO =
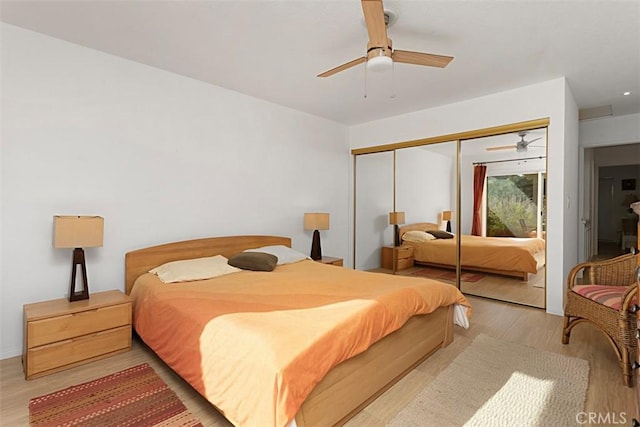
x=403, y=257
x=331, y=261
x=56, y=355
x=404, y=263
x=404, y=252
x=71, y=325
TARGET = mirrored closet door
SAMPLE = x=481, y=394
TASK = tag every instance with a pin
x=503, y=227
x=468, y=209
x=426, y=178
x=374, y=198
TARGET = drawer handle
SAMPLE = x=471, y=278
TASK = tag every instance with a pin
x=85, y=312
x=635, y=423
x=634, y=308
x=635, y=364
x=51, y=345
x=638, y=334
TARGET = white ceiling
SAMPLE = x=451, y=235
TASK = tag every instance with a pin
x=274, y=49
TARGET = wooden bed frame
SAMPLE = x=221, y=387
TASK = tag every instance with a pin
x=424, y=226
x=351, y=385
x=522, y=275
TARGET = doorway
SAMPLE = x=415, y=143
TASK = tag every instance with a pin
x=615, y=185
x=617, y=189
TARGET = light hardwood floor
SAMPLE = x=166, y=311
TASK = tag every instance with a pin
x=510, y=289
x=528, y=326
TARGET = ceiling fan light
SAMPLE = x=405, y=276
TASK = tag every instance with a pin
x=379, y=63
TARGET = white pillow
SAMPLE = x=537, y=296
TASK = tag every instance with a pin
x=417, y=236
x=285, y=255
x=193, y=269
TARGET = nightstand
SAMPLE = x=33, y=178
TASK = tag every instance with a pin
x=332, y=261
x=403, y=257
x=59, y=334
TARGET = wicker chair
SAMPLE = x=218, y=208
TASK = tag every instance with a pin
x=606, y=298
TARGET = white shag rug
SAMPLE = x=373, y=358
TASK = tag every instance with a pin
x=497, y=383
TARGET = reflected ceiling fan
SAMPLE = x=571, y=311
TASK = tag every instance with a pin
x=520, y=146
x=380, y=54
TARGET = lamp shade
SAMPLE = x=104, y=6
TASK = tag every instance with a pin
x=316, y=221
x=396, y=217
x=77, y=231
x=446, y=215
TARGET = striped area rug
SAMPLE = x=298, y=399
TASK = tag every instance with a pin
x=133, y=397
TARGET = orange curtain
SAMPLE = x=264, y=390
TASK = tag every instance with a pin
x=479, y=174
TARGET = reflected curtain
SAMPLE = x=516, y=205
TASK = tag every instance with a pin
x=479, y=175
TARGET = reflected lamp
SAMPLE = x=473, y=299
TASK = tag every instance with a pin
x=395, y=219
x=446, y=216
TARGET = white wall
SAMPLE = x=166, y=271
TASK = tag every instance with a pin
x=547, y=99
x=570, y=196
x=160, y=156
x=610, y=131
x=425, y=183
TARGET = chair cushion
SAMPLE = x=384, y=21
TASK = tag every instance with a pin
x=610, y=296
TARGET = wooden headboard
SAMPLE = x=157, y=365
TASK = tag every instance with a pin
x=141, y=261
x=418, y=226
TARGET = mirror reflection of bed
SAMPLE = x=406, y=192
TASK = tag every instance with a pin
x=425, y=181
x=506, y=268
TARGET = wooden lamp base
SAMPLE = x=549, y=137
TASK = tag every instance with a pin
x=396, y=235
x=78, y=260
x=316, y=250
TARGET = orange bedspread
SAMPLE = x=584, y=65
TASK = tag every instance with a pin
x=498, y=253
x=256, y=343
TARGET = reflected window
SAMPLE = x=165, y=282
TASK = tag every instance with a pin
x=513, y=205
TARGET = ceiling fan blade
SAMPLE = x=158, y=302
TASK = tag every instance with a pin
x=374, y=18
x=343, y=67
x=526, y=143
x=500, y=147
x=419, y=58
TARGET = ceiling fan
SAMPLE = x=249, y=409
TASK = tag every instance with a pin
x=520, y=146
x=380, y=54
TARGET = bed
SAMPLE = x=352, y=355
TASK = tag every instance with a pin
x=176, y=323
x=510, y=256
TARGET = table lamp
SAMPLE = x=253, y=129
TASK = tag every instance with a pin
x=78, y=232
x=396, y=218
x=446, y=216
x=316, y=221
